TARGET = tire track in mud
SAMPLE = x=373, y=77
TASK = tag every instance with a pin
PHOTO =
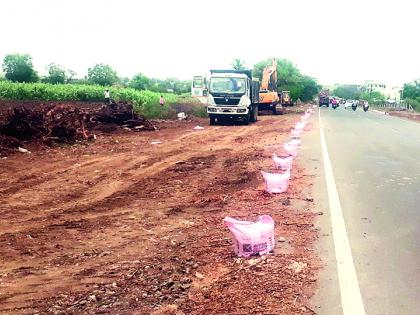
x=166, y=216
x=85, y=198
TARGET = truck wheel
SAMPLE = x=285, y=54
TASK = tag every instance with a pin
x=212, y=120
x=247, y=118
x=277, y=112
x=253, y=114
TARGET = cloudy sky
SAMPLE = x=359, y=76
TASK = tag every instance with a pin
x=335, y=41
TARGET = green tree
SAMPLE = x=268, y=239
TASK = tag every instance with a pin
x=411, y=90
x=347, y=91
x=56, y=74
x=140, y=82
x=124, y=81
x=373, y=97
x=238, y=64
x=102, y=74
x=70, y=76
x=19, y=68
x=310, y=88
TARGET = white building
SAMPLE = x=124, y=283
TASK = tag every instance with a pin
x=390, y=92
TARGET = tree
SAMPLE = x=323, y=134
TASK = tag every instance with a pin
x=373, y=97
x=70, y=75
x=349, y=92
x=102, y=74
x=56, y=74
x=124, y=81
x=310, y=88
x=238, y=64
x=411, y=90
x=19, y=68
x=140, y=82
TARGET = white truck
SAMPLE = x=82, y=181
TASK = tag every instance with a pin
x=232, y=95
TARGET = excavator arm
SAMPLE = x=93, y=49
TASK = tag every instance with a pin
x=269, y=99
x=269, y=78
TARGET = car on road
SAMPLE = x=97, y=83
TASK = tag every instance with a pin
x=348, y=103
x=342, y=101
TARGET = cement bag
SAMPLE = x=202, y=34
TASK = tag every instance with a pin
x=283, y=164
x=291, y=149
x=300, y=125
x=296, y=133
x=276, y=183
x=252, y=238
x=295, y=142
x=181, y=116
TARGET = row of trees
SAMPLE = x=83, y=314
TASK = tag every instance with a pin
x=411, y=93
x=289, y=78
x=353, y=92
x=19, y=68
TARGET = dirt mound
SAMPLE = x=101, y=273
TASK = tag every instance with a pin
x=67, y=123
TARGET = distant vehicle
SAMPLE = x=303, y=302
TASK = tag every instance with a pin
x=354, y=105
x=286, y=99
x=349, y=103
x=365, y=105
x=334, y=103
x=342, y=101
x=324, y=98
x=232, y=95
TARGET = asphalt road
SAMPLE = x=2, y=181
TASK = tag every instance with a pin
x=376, y=165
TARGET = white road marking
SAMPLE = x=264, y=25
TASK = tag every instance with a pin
x=351, y=299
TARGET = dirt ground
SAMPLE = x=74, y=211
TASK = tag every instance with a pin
x=125, y=226
x=407, y=115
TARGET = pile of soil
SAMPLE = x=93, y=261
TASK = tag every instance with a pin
x=66, y=123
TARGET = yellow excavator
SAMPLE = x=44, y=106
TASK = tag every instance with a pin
x=269, y=98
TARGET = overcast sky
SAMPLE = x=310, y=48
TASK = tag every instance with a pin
x=347, y=41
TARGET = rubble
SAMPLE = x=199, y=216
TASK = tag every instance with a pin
x=66, y=123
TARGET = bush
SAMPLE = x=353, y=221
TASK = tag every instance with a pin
x=414, y=102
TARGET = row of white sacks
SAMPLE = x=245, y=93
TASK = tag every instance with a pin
x=257, y=238
x=279, y=182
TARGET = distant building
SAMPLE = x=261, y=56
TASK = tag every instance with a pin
x=390, y=92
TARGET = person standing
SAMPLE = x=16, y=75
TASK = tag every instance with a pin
x=107, y=97
x=161, y=101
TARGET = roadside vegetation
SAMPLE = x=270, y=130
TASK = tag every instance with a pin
x=411, y=94
x=22, y=82
x=352, y=92
x=146, y=102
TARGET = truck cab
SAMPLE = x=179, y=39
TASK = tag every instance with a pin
x=232, y=95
